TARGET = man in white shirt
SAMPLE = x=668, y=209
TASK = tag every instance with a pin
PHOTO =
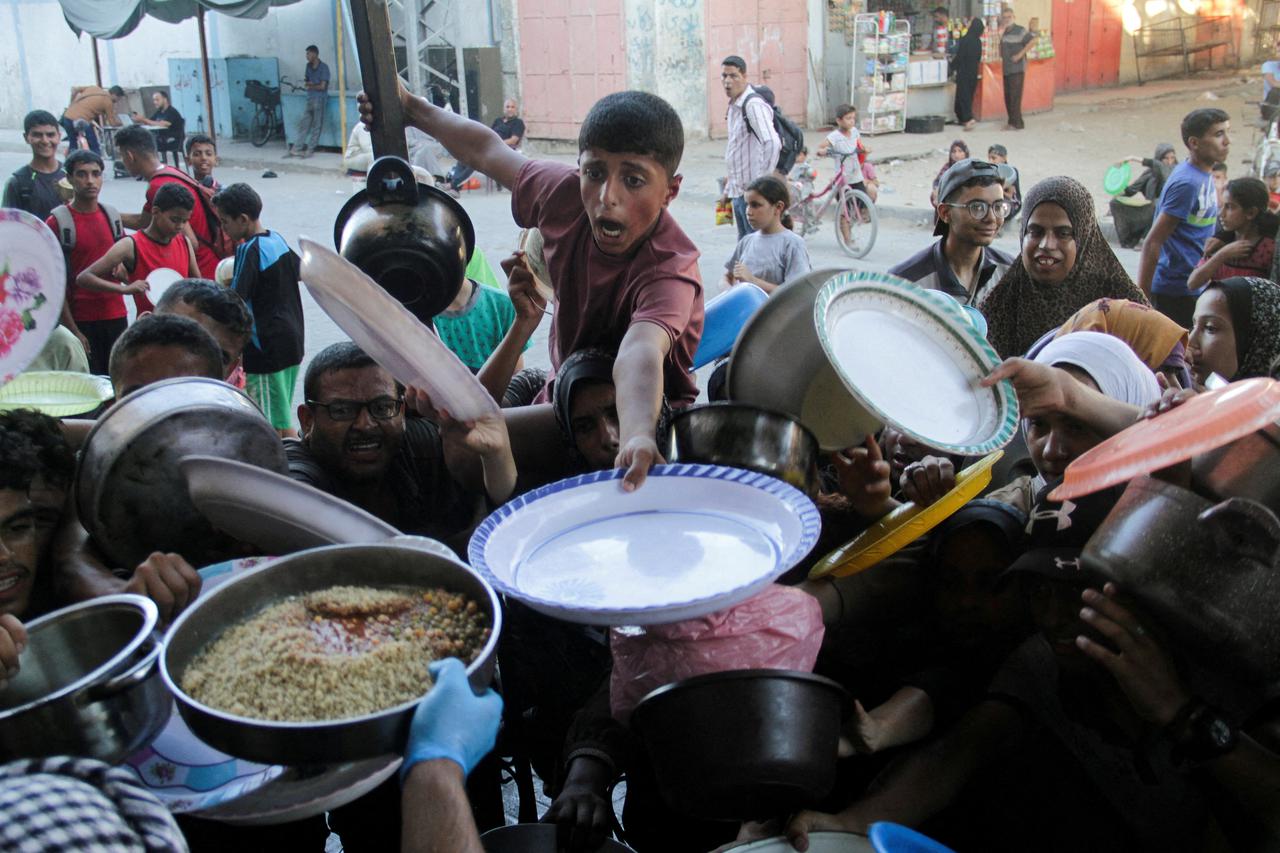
x=754, y=145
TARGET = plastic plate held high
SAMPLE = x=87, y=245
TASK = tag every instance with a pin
x=1205, y=422
x=391, y=335
x=692, y=540
x=33, y=285
x=905, y=524
x=1117, y=178
x=911, y=361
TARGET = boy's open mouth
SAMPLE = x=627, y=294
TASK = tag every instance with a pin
x=609, y=228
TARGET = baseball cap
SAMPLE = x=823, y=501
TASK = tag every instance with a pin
x=963, y=171
x=1057, y=532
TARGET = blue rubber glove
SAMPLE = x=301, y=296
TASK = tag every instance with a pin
x=451, y=721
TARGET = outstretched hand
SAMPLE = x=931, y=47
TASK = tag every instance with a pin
x=1041, y=389
x=638, y=455
x=863, y=477
x=366, y=106
x=13, y=642
x=927, y=481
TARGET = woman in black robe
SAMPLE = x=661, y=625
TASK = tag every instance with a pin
x=966, y=64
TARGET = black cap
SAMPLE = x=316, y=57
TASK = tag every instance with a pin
x=1057, y=532
x=966, y=170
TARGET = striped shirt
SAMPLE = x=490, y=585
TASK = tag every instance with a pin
x=751, y=153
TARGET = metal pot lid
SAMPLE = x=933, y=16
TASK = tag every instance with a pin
x=1205, y=422
x=146, y=610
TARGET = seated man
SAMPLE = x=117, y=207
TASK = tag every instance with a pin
x=509, y=126
x=420, y=477
x=171, y=126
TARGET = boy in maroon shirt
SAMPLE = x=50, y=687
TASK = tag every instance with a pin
x=97, y=317
x=161, y=245
x=624, y=273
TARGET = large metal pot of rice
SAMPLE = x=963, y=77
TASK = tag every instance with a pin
x=87, y=683
x=381, y=566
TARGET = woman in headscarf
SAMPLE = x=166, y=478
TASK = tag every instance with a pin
x=1158, y=341
x=1236, y=330
x=1064, y=265
x=1134, y=209
x=1100, y=361
x=966, y=65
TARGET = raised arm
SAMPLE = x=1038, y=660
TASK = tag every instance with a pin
x=469, y=141
x=95, y=276
x=637, y=374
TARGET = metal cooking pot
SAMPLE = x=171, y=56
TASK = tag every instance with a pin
x=412, y=239
x=744, y=436
x=87, y=684
x=744, y=744
x=535, y=838
x=132, y=496
x=1207, y=572
x=1248, y=467
x=329, y=741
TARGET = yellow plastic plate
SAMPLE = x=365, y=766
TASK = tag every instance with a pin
x=56, y=393
x=905, y=524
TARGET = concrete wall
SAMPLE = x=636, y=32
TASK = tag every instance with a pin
x=666, y=55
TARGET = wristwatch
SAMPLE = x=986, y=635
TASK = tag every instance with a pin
x=1205, y=735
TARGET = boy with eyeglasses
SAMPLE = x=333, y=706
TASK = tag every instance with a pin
x=971, y=210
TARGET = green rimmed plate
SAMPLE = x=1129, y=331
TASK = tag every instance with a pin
x=57, y=393
x=914, y=363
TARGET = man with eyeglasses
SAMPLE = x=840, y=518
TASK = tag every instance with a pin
x=972, y=209
x=358, y=444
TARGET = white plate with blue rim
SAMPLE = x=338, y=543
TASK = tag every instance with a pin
x=915, y=362
x=692, y=540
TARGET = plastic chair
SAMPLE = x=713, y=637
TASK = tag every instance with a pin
x=725, y=317
x=894, y=838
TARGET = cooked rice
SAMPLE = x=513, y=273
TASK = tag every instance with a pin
x=277, y=665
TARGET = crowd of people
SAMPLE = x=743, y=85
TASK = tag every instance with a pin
x=1009, y=696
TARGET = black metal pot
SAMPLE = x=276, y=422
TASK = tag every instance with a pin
x=1248, y=467
x=412, y=239
x=1207, y=572
x=743, y=436
x=743, y=744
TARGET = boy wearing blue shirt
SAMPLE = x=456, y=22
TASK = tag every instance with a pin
x=1185, y=217
x=266, y=277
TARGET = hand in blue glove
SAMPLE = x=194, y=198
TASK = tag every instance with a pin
x=451, y=721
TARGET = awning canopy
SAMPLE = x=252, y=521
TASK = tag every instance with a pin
x=111, y=19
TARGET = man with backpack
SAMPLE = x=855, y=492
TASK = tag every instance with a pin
x=754, y=143
x=34, y=186
x=87, y=229
x=136, y=149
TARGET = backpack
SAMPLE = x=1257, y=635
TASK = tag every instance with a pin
x=67, y=225
x=788, y=132
x=221, y=245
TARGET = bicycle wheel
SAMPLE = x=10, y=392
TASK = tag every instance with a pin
x=264, y=124
x=857, y=223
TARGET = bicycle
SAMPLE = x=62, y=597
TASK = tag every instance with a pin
x=856, y=223
x=267, y=119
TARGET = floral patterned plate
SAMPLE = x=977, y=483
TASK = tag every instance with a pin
x=33, y=284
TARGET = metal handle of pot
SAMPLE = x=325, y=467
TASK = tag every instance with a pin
x=1243, y=526
x=135, y=675
x=371, y=25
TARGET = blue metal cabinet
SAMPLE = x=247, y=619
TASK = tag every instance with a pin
x=232, y=112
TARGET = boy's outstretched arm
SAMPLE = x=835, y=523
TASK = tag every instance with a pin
x=637, y=378
x=469, y=141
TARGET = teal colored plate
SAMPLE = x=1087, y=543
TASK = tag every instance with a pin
x=915, y=363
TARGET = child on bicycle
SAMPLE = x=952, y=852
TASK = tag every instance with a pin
x=772, y=253
x=844, y=142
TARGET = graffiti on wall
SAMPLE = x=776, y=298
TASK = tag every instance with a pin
x=666, y=54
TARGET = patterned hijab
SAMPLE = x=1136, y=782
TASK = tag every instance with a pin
x=1019, y=311
x=1255, y=315
x=1150, y=334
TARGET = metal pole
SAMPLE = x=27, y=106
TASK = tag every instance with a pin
x=456, y=11
x=342, y=74
x=97, y=64
x=204, y=63
x=412, y=14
